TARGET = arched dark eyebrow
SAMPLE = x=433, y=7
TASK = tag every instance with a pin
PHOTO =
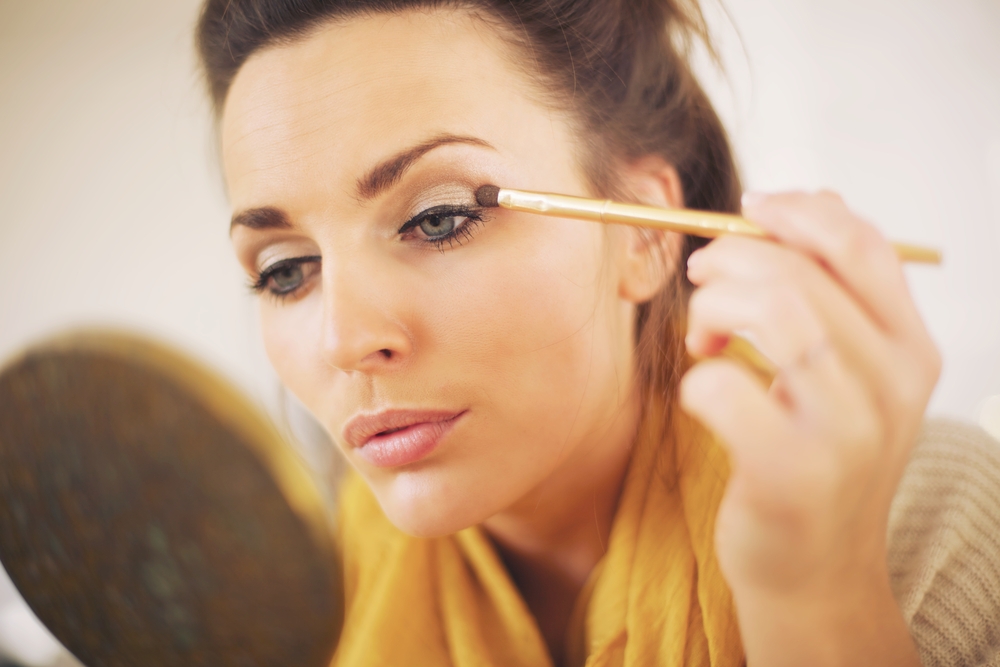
x=379, y=178
x=265, y=217
x=386, y=173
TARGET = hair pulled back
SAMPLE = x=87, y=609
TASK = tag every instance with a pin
x=619, y=67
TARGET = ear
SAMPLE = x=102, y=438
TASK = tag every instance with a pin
x=648, y=257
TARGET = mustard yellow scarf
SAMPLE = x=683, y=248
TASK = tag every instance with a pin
x=656, y=598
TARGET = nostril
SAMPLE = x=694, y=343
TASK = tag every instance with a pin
x=386, y=353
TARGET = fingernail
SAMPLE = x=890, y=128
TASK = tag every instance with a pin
x=752, y=198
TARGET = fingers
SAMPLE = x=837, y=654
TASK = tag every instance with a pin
x=722, y=308
x=854, y=251
x=786, y=302
x=898, y=362
x=816, y=456
x=784, y=457
x=733, y=405
x=814, y=379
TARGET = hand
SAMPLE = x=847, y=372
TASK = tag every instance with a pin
x=817, y=457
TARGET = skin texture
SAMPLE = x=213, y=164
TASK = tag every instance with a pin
x=527, y=326
x=817, y=457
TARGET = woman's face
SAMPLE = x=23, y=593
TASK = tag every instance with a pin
x=501, y=341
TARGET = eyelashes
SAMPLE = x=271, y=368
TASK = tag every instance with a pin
x=284, y=278
x=442, y=227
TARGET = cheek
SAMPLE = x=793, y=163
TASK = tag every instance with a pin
x=530, y=339
x=292, y=348
x=535, y=323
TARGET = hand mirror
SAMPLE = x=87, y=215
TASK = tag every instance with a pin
x=150, y=516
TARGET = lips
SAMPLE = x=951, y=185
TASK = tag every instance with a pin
x=398, y=437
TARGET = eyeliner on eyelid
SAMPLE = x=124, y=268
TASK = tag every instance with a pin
x=472, y=216
x=470, y=213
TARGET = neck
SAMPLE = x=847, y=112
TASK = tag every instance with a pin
x=551, y=539
x=566, y=525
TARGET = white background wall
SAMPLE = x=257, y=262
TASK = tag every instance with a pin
x=112, y=210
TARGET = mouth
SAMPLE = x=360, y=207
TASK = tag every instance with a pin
x=398, y=437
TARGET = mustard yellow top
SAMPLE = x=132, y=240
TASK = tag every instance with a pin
x=655, y=598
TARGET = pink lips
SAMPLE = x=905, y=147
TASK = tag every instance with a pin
x=398, y=437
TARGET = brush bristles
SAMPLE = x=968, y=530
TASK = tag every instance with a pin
x=487, y=196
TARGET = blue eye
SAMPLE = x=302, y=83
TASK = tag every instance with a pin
x=444, y=224
x=284, y=278
x=436, y=226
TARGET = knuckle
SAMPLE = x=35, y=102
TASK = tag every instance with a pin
x=855, y=241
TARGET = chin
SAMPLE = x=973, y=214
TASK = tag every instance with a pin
x=424, y=507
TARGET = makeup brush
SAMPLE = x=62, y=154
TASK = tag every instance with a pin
x=149, y=515
x=697, y=223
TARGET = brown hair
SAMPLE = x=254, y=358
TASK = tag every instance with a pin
x=619, y=66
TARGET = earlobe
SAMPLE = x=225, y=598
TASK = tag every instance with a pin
x=649, y=257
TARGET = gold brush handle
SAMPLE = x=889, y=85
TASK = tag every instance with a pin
x=697, y=223
x=915, y=253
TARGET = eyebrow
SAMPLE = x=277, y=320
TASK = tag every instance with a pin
x=376, y=181
x=388, y=172
x=264, y=217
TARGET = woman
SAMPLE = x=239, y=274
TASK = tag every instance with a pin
x=517, y=395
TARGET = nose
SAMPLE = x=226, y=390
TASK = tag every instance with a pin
x=361, y=330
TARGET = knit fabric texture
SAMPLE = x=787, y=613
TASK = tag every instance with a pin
x=944, y=546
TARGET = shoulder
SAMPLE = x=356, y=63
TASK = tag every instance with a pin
x=944, y=545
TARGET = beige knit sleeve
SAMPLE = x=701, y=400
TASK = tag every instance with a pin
x=944, y=546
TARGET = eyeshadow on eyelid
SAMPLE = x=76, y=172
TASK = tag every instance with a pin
x=273, y=254
x=449, y=194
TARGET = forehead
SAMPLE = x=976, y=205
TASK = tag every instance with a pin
x=359, y=89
